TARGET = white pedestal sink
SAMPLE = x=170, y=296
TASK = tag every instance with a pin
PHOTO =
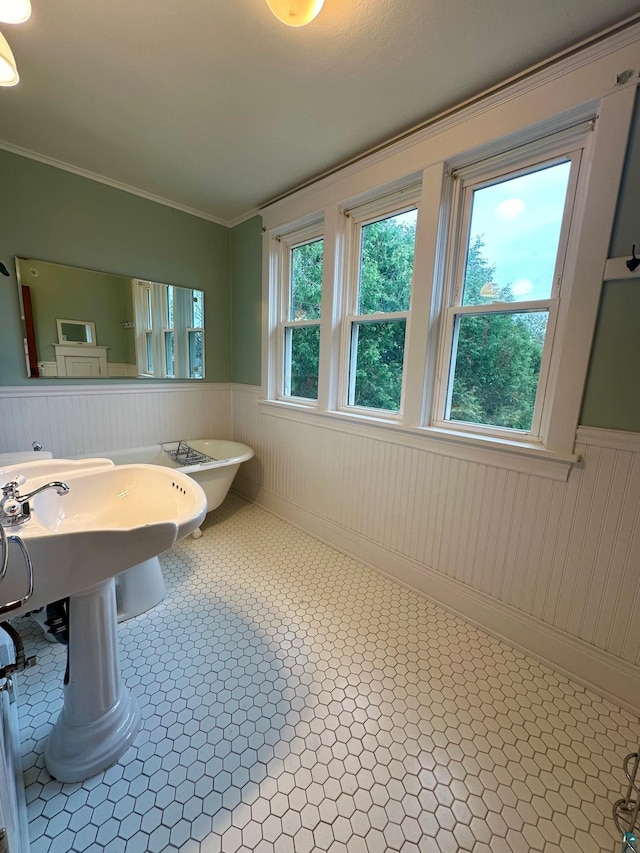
x=100, y=718
x=113, y=518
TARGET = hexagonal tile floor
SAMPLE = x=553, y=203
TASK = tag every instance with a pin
x=295, y=700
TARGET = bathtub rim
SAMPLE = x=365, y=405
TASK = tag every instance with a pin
x=243, y=455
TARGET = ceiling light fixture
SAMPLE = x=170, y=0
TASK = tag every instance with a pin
x=8, y=70
x=295, y=13
x=15, y=11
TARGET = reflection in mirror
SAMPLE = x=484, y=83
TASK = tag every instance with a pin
x=113, y=327
x=76, y=332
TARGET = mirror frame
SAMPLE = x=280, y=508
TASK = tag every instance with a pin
x=90, y=332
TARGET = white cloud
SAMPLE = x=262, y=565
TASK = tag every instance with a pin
x=521, y=287
x=509, y=209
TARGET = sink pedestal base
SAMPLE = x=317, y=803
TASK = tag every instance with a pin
x=100, y=718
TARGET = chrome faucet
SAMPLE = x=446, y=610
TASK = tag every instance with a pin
x=14, y=507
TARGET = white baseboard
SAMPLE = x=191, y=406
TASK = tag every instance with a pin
x=48, y=368
x=608, y=676
x=119, y=370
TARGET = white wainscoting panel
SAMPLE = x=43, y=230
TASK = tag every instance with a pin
x=551, y=566
x=74, y=419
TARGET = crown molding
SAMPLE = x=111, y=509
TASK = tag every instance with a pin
x=110, y=182
x=256, y=211
x=561, y=64
x=582, y=53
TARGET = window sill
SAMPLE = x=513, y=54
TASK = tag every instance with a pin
x=523, y=457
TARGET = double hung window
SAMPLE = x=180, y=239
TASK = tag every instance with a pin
x=447, y=306
x=302, y=263
x=169, y=330
x=147, y=317
x=509, y=241
x=379, y=304
x=194, y=310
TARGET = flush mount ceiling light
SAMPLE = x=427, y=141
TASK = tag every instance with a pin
x=15, y=11
x=8, y=70
x=295, y=13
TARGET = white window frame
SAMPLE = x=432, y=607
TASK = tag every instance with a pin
x=385, y=207
x=500, y=125
x=282, y=249
x=572, y=146
x=154, y=334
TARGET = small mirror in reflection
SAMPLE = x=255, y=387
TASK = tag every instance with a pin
x=76, y=332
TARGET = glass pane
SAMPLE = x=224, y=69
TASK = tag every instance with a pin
x=149, y=343
x=386, y=263
x=378, y=352
x=196, y=359
x=149, y=309
x=198, y=308
x=303, y=356
x=170, y=295
x=514, y=236
x=169, y=352
x=306, y=281
x=496, y=369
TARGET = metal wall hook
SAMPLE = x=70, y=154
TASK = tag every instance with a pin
x=633, y=263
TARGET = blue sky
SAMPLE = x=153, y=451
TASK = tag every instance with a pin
x=519, y=222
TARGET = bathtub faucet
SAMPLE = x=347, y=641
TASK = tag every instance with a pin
x=14, y=507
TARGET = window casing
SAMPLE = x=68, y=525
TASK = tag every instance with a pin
x=300, y=257
x=497, y=337
x=169, y=324
x=380, y=262
x=438, y=311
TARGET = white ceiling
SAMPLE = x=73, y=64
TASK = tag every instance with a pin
x=216, y=106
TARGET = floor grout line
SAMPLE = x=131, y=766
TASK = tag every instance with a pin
x=295, y=700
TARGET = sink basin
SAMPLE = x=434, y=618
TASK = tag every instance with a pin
x=111, y=519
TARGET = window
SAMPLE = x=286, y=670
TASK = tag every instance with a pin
x=459, y=310
x=302, y=261
x=143, y=302
x=165, y=296
x=169, y=330
x=376, y=327
x=509, y=241
x=193, y=314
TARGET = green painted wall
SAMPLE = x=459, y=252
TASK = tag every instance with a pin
x=246, y=291
x=50, y=214
x=612, y=395
x=53, y=215
x=69, y=293
x=611, y=399
x=626, y=229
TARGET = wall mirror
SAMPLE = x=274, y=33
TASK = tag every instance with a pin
x=76, y=332
x=84, y=323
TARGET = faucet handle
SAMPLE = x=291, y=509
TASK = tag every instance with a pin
x=14, y=507
x=10, y=489
x=11, y=505
x=37, y=445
